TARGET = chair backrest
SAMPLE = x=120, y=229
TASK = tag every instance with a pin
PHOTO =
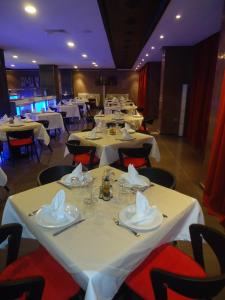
x=31, y=287
x=53, y=174
x=81, y=110
x=159, y=176
x=20, y=134
x=196, y=288
x=13, y=233
x=45, y=123
x=76, y=150
x=143, y=152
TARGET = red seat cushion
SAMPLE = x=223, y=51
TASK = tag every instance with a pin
x=59, y=285
x=167, y=258
x=137, y=162
x=141, y=128
x=84, y=159
x=21, y=142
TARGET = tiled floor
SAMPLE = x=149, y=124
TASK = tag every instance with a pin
x=176, y=156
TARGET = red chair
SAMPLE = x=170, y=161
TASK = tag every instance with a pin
x=138, y=157
x=83, y=154
x=59, y=285
x=175, y=275
x=21, y=138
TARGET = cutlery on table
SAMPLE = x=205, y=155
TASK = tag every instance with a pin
x=68, y=226
x=33, y=213
x=117, y=222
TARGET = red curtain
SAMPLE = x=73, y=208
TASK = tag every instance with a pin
x=201, y=92
x=214, y=196
x=143, y=88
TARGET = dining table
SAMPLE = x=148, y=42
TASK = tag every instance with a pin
x=107, y=145
x=72, y=110
x=134, y=120
x=55, y=119
x=40, y=132
x=97, y=252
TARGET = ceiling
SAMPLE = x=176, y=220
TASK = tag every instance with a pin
x=114, y=34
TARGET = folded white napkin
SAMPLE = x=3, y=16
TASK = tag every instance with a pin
x=17, y=120
x=5, y=118
x=143, y=211
x=133, y=178
x=127, y=126
x=56, y=210
x=125, y=134
x=100, y=112
x=92, y=133
x=50, y=110
x=27, y=116
x=77, y=172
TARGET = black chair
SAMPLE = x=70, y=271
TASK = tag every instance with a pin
x=53, y=174
x=21, y=139
x=196, y=288
x=33, y=286
x=45, y=123
x=82, y=154
x=168, y=273
x=65, y=119
x=138, y=157
x=53, y=108
x=92, y=103
x=81, y=110
x=159, y=176
x=33, y=264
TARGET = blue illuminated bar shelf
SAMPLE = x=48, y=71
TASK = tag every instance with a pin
x=22, y=106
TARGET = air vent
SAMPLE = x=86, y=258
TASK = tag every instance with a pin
x=55, y=31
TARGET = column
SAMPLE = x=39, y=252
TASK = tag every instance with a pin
x=49, y=80
x=4, y=95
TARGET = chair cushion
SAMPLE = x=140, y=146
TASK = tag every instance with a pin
x=168, y=258
x=137, y=162
x=84, y=159
x=59, y=285
x=20, y=142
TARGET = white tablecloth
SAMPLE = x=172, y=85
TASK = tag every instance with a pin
x=40, y=132
x=135, y=121
x=71, y=110
x=107, y=146
x=129, y=108
x=55, y=119
x=97, y=253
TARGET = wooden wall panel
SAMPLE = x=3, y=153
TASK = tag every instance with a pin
x=86, y=81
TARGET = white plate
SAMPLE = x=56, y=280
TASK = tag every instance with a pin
x=16, y=125
x=46, y=220
x=127, y=212
x=88, y=180
x=130, y=139
x=131, y=131
x=122, y=181
x=93, y=138
x=27, y=121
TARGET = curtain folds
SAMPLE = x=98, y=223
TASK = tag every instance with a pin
x=143, y=89
x=214, y=195
x=201, y=92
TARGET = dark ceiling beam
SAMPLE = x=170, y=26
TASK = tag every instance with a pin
x=129, y=24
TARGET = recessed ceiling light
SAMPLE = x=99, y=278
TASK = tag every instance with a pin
x=15, y=56
x=178, y=16
x=34, y=61
x=96, y=65
x=93, y=63
x=152, y=47
x=84, y=55
x=146, y=54
x=143, y=59
x=75, y=67
x=30, y=9
x=12, y=66
x=161, y=36
x=70, y=44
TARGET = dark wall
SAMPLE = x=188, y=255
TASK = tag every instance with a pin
x=66, y=81
x=15, y=78
x=177, y=63
x=154, y=89
x=117, y=82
